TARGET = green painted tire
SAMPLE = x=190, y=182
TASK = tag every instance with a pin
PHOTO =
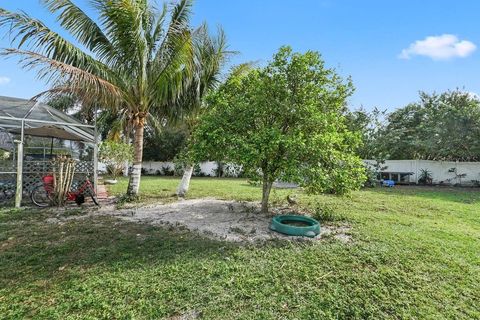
x=283, y=224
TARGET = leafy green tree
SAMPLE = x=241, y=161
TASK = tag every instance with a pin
x=73, y=106
x=164, y=145
x=442, y=126
x=64, y=103
x=135, y=57
x=369, y=125
x=284, y=121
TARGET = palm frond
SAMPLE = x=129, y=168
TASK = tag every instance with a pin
x=156, y=32
x=175, y=32
x=57, y=72
x=138, y=59
x=81, y=26
x=36, y=37
x=169, y=72
x=157, y=122
x=123, y=22
x=210, y=55
x=179, y=21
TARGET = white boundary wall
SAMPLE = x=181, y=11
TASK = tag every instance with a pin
x=438, y=169
x=151, y=167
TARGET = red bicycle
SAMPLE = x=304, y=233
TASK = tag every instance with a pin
x=42, y=195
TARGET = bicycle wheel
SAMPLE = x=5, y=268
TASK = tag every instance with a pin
x=41, y=196
x=91, y=192
x=94, y=199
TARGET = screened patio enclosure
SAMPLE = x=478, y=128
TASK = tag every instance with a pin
x=31, y=134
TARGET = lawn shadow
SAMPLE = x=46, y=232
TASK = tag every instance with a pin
x=32, y=249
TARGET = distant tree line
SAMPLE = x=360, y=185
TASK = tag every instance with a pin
x=442, y=126
x=164, y=145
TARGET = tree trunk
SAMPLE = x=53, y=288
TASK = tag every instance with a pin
x=134, y=182
x=266, y=186
x=125, y=169
x=185, y=183
x=127, y=138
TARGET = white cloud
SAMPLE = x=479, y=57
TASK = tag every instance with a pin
x=444, y=47
x=4, y=80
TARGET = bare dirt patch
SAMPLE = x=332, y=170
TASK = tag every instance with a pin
x=218, y=219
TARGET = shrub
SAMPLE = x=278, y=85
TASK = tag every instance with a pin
x=166, y=171
x=114, y=154
x=232, y=170
x=326, y=212
x=197, y=171
x=425, y=177
x=372, y=178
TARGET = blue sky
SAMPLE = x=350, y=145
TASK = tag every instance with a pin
x=391, y=49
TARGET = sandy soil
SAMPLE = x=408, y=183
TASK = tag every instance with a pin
x=218, y=219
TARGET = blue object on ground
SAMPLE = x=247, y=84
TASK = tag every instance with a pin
x=388, y=183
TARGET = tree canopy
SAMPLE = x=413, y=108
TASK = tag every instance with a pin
x=442, y=126
x=284, y=121
x=164, y=145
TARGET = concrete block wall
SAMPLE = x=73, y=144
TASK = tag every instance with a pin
x=151, y=167
x=438, y=169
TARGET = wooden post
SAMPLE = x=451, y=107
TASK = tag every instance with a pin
x=95, y=153
x=19, y=190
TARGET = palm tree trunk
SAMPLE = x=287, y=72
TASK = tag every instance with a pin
x=185, y=183
x=266, y=186
x=134, y=181
x=127, y=140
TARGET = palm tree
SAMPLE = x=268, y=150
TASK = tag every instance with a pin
x=134, y=57
x=210, y=55
x=117, y=125
x=195, y=107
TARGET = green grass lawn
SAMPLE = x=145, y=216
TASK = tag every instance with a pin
x=415, y=254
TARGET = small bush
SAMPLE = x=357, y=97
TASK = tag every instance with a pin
x=425, y=177
x=197, y=171
x=372, y=178
x=124, y=199
x=166, y=171
x=232, y=171
x=326, y=212
x=114, y=154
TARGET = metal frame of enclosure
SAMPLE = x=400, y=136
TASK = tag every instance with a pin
x=22, y=117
